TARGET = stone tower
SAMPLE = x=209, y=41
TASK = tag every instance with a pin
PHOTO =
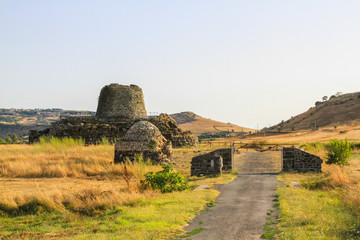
x=121, y=103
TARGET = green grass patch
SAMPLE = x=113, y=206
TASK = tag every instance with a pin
x=314, y=214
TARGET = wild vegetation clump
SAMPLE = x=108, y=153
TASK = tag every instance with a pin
x=339, y=152
x=166, y=180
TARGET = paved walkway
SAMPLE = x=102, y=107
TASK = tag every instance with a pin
x=240, y=211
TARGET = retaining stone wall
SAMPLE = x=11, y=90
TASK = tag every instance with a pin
x=213, y=162
x=300, y=161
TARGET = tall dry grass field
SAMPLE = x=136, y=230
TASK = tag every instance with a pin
x=66, y=175
x=346, y=179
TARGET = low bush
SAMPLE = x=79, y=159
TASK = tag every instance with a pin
x=339, y=152
x=166, y=180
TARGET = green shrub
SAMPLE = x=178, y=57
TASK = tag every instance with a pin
x=8, y=140
x=166, y=180
x=15, y=139
x=339, y=152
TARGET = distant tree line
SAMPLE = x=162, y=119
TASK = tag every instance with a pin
x=14, y=139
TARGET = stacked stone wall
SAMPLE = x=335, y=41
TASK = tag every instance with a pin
x=214, y=162
x=90, y=129
x=300, y=161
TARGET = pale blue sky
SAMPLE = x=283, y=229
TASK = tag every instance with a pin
x=252, y=63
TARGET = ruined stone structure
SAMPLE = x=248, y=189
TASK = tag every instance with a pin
x=121, y=103
x=118, y=109
x=145, y=139
x=171, y=131
x=214, y=162
x=90, y=129
x=300, y=161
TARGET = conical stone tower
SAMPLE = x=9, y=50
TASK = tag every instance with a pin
x=121, y=103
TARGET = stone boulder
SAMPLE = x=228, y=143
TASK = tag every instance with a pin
x=145, y=139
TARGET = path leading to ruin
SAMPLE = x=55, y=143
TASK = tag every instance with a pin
x=240, y=211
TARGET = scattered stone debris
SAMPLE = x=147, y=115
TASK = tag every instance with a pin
x=143, y=139
x=214, y=162
x=171, y=131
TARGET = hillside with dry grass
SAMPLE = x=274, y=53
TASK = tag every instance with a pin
x=337, y=111
x=198, y=125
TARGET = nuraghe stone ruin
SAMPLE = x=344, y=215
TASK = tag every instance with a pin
x=119, y=107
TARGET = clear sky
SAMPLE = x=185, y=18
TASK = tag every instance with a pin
x=252, y=63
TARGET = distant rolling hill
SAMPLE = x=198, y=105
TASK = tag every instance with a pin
x=338, y=110
x=21, y=121
x=199, y=125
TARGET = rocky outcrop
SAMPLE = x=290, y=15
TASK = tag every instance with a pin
x=171, y=131
x=143, y=139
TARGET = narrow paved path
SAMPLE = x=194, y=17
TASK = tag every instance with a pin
x=240, y=211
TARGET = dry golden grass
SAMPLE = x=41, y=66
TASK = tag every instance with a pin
x=75, y=177
x=39, y=161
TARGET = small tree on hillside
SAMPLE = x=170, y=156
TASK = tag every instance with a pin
x=339, y=152
x=15, y=139
x=324, y=98
x=8, y=140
